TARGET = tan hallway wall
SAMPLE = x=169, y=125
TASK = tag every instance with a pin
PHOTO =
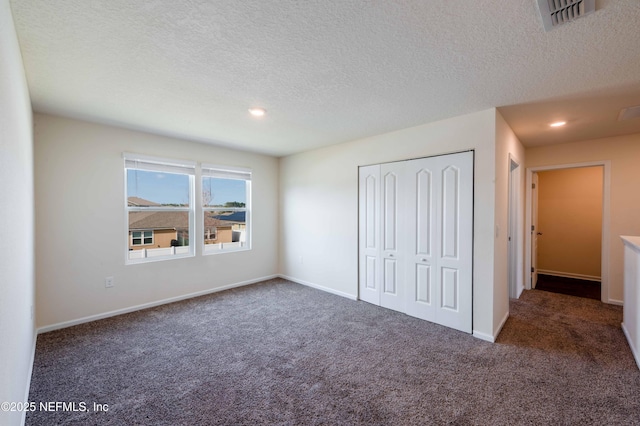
x=570, y=219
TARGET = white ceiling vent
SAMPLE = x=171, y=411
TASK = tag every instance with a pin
x=629, y=113
x=557, y=12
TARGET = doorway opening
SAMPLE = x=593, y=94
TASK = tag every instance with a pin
x=568, y=215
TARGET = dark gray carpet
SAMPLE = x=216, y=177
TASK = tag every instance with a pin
x=282, y=353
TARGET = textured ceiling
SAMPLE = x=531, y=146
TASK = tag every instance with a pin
x=328, y=71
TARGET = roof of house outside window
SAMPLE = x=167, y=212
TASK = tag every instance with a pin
x=238, y=217
x=168, y=220
x=140, y=202
x=176, y=220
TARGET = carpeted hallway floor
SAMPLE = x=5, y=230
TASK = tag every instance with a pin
x=282, y=353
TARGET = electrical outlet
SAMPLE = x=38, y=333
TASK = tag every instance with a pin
x=301, y=260
x=108, y=282
x=32, y=312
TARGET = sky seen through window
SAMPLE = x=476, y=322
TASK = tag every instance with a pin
x=172, y=188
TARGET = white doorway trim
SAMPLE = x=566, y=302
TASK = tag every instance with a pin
x=606, y=215
x=515, y=227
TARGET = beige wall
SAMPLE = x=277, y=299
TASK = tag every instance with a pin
x=623, y=152
x=79, y=183
x=570, y=220
x=17, y=333
x=508, y=148
x=321, y=187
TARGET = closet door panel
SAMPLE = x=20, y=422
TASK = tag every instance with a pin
x=370, y=271
x=454, y=260
x=369, y=234
x=423, y=284
x=390, y=277
x=392, y=295
x=424, y=212
x=420, y=230
x=450, y=289
x=450, y=225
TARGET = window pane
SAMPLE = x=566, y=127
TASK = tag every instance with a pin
x=153, y=189
x=227, y=230
x=160, y=211
x=159, y=230
x=217, y=192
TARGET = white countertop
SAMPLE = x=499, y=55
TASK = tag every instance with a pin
x=633, y=242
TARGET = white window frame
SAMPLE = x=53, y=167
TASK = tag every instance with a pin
x=157, y=164
x=227, y=172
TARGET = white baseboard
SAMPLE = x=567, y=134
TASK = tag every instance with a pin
x=31, y=361
x=616, y=302
x=483, y=336
x=498, y=329
x=488, y=337
x=634, y=351
x=96, y=317
x=475, y=333
x=319, y=287
x=569, y=275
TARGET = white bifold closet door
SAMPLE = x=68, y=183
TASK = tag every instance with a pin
x=416, y=234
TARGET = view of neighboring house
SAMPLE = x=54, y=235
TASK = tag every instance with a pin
x=238, y=220
x=161, y=229
x=217, y=231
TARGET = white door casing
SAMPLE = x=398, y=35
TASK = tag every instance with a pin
x=534, y=230
x=606, y=221
x=515, y=268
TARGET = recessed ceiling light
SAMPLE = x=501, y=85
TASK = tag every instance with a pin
x=558, y=124
x=257, y=112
